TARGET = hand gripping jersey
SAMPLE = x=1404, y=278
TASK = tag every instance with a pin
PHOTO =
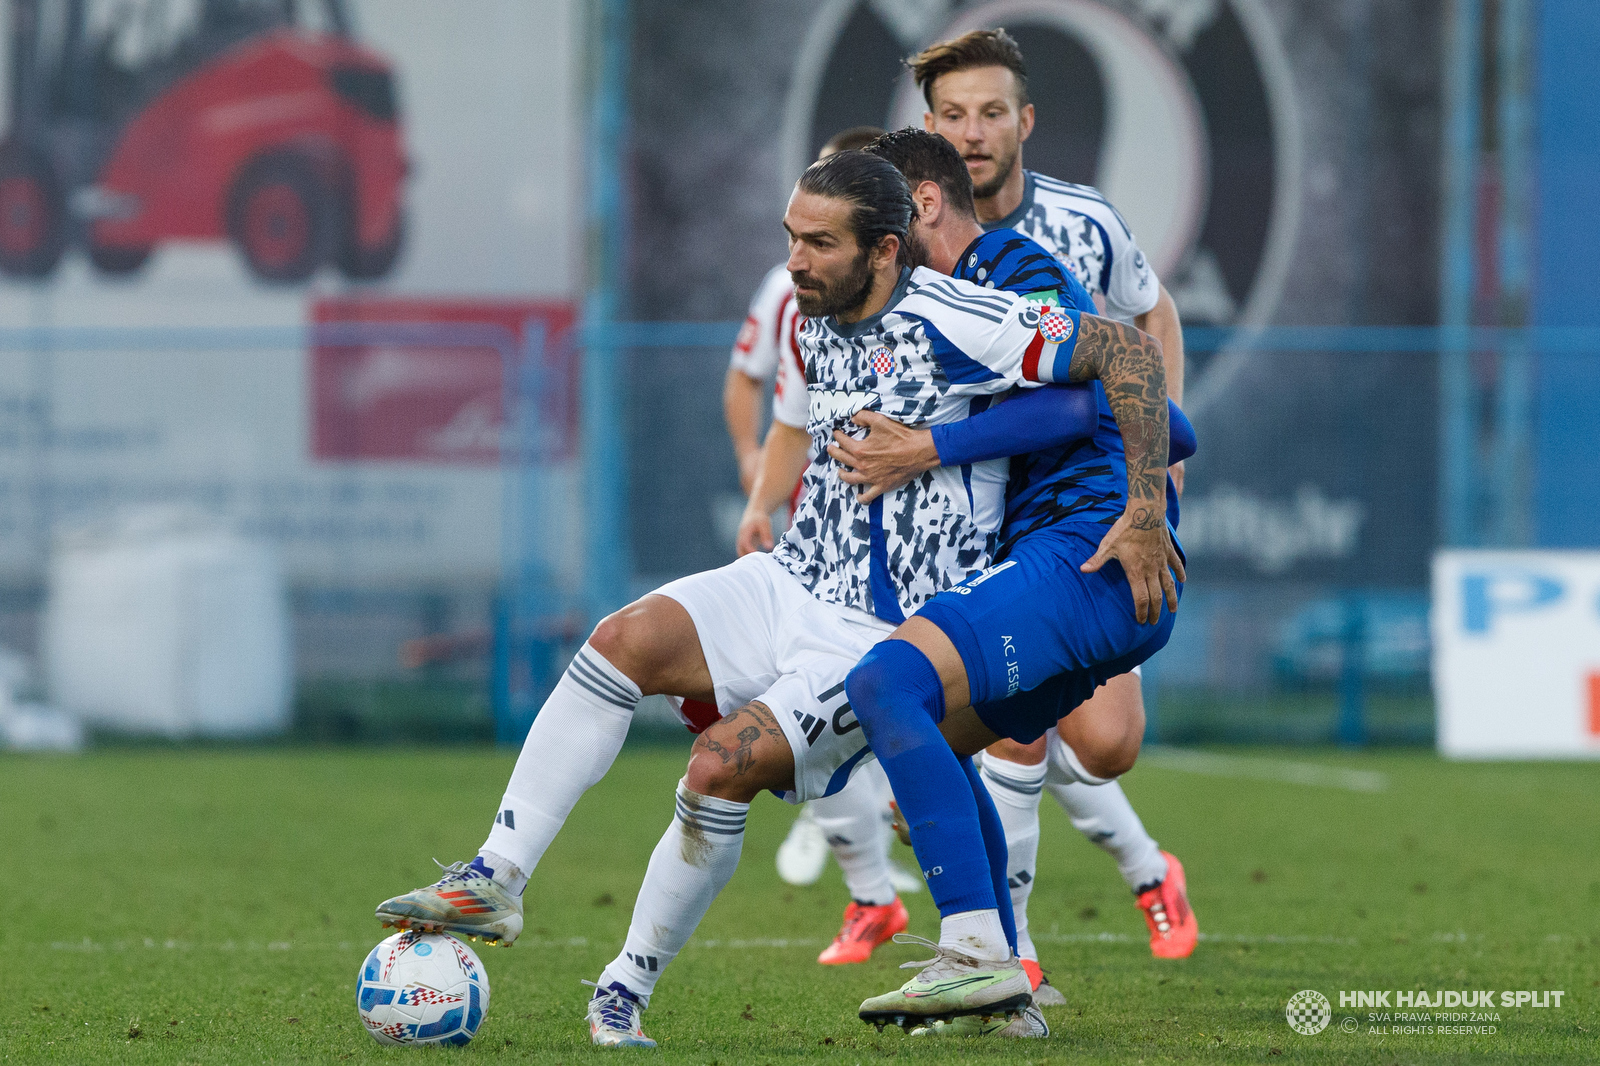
x=1081, y=229
x=939, y=350
x=1085, y=481
x=767, y=328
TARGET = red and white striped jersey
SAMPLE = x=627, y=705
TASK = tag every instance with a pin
x=761, y=339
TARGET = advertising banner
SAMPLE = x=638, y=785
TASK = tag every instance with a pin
x=185, y=186
x=1516, y=654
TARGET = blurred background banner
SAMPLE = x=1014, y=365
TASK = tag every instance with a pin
x=433, y=303
x=283, y=263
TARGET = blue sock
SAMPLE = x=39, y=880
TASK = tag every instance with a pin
x=899, y=701
x=994, y=844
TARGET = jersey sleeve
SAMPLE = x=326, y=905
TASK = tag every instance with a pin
x=756, y=351
x=1035, y=419
x=989, y=337
x=790, y=403
x=1133, y=288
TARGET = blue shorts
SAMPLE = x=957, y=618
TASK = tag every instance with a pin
x=1038, y=636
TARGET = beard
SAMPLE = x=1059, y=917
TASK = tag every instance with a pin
x=1003, y=165
x=833, y=298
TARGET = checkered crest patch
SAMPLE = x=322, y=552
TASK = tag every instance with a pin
x=1308, y=1012
x=1055, y=326
x=882, y=361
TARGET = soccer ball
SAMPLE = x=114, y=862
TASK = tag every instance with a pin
x=422, y=988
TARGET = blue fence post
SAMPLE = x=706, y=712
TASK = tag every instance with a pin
x=610, y=560
x=1457, y=436
x=1511, y=522
x=1351, y=730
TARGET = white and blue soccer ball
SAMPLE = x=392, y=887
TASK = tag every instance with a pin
x=422, y=988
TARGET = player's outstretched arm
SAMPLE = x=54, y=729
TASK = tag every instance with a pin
x=1128, y=363
x=784, y=457
x=741, y=407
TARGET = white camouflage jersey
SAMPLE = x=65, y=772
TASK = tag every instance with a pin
x=940, y=350
x=1090, y=238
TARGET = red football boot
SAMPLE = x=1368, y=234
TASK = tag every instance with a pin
x=864, y=929
x=1045, y=994
x=1174, y=931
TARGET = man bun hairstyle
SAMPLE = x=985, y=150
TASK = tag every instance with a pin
x=980, y=48
x=854, y=138
x=880, y=200
x=922, y=156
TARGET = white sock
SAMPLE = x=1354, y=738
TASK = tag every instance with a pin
x=572, y=744
x=975, y=933
x=1103, y=814
x=1015, y=789
x=693, y=862
x=853, y=826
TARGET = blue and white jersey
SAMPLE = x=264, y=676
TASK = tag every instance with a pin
x=939, y=350
x=1084, y=482
x=1081, y=229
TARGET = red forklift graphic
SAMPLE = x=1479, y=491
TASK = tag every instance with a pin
x=140, y=121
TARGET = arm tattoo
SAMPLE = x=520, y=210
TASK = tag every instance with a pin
x=1128, y=363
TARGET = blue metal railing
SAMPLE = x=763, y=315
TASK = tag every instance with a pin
x=1372, y=339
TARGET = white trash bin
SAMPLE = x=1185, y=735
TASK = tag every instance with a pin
x=168, y=623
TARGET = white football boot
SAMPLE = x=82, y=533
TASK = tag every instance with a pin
x=463, y=902
x=804, y=852
x=614, y=1017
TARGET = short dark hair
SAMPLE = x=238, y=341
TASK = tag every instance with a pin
x=879, y=198
x=851, y=139
x=922, y=156
x=980, y=48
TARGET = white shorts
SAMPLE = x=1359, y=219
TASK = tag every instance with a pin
x=766, y=638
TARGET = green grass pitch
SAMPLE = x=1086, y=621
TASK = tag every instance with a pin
x=214, y=906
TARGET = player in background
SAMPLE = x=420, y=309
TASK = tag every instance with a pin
x=976, y=90
x=854, y=824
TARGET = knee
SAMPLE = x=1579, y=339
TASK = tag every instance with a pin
x=1112, y=760
x=625, y=640
x=1108, y=748
x=893, y=671
x=616, y=637
x=740, y=757
x=868, y=685
x=709, y=776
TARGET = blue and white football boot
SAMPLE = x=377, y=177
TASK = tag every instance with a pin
x=614, y=1017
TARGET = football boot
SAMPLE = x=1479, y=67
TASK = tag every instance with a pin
x=614, y=1017
x=1029, y=1023
x=465, y=902
x=1045, y=994
x=1174, y=930
x=949, y=985
x=865, y=927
